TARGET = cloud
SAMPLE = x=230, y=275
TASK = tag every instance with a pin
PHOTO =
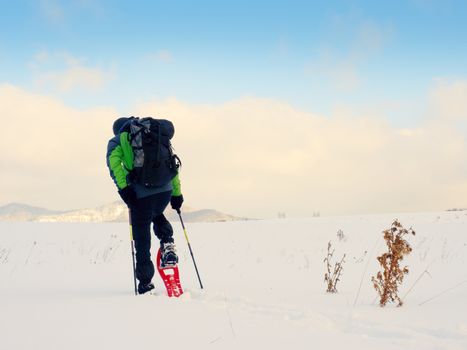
x=342, y=74
x=56, y=154
x=250, y=156
x=75, y=77
x=434, y=6
x=160, y=56
x=66, y=73
x=449, y=99
x=342, y=68
x=259, y=157
x=60, y=13
x=52, y=10
x=370, y=38
x=41, y=57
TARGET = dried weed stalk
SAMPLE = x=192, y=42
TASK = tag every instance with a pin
x=331, y=278
x=387, y=281
x=340, y=235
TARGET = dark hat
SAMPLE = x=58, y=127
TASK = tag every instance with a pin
x=119, y=124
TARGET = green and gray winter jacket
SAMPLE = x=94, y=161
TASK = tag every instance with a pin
x=120, y=162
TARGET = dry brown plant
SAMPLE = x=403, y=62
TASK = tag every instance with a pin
x=332, y=276
x=388, y=280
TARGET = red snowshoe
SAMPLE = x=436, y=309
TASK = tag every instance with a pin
x=170, y=276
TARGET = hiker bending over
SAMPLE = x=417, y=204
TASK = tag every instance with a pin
x=145, y=170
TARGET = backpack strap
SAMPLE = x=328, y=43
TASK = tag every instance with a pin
x=158, y=144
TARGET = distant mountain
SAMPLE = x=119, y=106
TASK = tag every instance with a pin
x=203, y=215
x=113, y=212
x=23, y=212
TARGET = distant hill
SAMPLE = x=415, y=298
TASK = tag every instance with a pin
x=113, y=212
x=23, y=212
x=203, y=215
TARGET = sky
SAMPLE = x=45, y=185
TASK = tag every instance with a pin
x=297, y=107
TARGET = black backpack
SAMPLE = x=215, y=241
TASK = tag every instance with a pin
x=154, y=164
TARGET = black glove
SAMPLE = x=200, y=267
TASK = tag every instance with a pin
x=176, y=202
x=128, y=195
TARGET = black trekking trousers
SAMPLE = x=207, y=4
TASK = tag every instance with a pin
x=145, y=211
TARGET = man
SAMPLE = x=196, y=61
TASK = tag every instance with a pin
x=146, y=204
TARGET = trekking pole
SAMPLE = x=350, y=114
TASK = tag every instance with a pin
x=189, y=247
x=132, y=251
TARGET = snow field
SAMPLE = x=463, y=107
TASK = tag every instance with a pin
x=69, y=286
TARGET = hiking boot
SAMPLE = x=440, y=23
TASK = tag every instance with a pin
x=145, y=287
x=168, y=255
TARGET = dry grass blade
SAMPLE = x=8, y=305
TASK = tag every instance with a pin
x=332, y=275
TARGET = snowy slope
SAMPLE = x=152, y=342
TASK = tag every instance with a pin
x=69, y=286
